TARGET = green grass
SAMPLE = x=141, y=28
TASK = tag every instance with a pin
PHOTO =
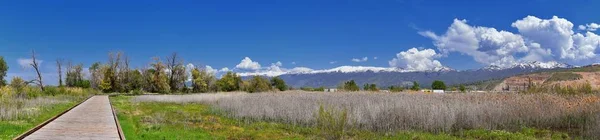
x=12, y=128
x=152, y=120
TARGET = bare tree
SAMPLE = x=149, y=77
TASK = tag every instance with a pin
x=176, y=72
x=59, y=63
x=35, y=66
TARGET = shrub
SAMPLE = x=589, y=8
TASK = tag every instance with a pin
x=396, y=88
x=229, y=82
x=278, y=83
x=331, y=123
x=415, y=86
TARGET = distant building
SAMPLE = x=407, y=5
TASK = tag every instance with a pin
x=331, y=90
x=438, y=91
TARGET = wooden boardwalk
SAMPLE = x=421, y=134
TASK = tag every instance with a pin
x=91, y=120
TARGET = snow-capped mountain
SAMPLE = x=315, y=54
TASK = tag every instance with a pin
x=341, y=69
x=530, y=65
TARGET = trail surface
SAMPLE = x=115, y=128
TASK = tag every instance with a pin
x=91, y=120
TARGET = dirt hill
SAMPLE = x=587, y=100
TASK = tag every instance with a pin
x=569, y=77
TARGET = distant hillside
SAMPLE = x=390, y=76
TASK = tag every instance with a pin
x=385, y=79
x=563, y=77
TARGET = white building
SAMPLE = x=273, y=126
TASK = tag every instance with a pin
x=331, y=90
x=438, y=91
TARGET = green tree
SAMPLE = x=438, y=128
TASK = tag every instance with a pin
x=19, y=85
x=415, y=86
x=258, y=84
x=229, y=82
x=396, y=89
x=279, y=83
x=3, y=70
x=202, y=80
x=462, y=88
x=439, y=85
x=373, y=87
x=136, y=80
x=160, y=80
x=351, y=86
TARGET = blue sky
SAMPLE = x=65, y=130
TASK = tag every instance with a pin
x=311, y=33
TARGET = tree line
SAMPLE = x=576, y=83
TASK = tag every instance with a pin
x=168, y=75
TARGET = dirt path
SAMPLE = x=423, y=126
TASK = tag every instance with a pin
x=92, y=119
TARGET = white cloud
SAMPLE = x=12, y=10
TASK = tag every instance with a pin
x=589, y=27
x=414, y=59
x=26, y=62
x=247, y=63
x=485, y=45
x=537, y=40
x=375, y=58
x=225, y=69
x=557, y=35
x=293, y=63
x=332, y=62
x=364, y=59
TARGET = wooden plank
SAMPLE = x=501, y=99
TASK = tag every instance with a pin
x=93, y=119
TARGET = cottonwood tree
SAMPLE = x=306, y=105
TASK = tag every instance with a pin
x=439, y=85
x=258, y=84
x=3, y=70
x=96, y=75
x=59, y=63
x=229, y=82
x=202, y=80
x=36, y=66
x=159, y=78
x=177, y=74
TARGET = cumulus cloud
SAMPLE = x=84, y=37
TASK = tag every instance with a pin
x=225, y=69
x=415, y=59
x=485, y=45
x=276, y=69
x=375, y=58
x=537, y=40
x=248, y=64
x=364, y=59
x=589, y=27
x=557, y=35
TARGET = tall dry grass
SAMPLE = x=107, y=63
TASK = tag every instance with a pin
x=29, y=102
x=423, y=112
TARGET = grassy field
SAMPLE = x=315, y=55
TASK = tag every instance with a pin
x=210, y=116
x=20, y=115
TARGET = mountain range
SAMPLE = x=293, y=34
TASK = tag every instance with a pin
x=385, y=77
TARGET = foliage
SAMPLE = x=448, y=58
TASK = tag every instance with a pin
x=396, y=88
x=3, y=70
x=278, y=83
x=370, y=87
x=462, y=88
x=331, y=123
x=415, y=86
x=229, y=82
x=258, y=84
x=135, y=80
x=575, y=89
x=19, y=85
x=439, y=85
x=203, y=81
x=159, y=78
x=312, y=89
x=351, y=86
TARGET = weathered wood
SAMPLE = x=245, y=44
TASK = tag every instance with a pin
x=92, y=119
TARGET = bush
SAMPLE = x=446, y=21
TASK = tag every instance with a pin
x=331, y=123
x=415, y=86
x=278, y=83
x=563, y=76
x=396, y=89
